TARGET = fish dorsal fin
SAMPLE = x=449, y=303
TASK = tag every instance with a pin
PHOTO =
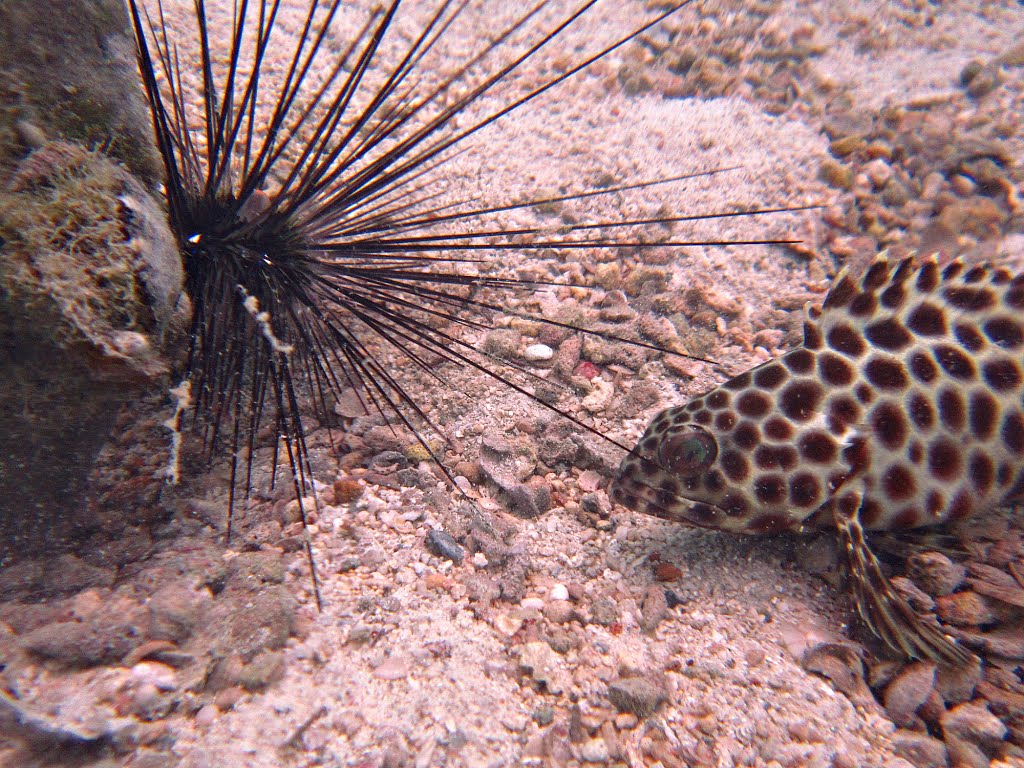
x=895, y=298
x=854, y=302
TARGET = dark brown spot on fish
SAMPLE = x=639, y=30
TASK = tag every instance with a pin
x=870, y=513
x=703, y=514
x=718, y=399
x=846, y=505
x=894, y=296
x=928, y=277
x=747, y=437
x=818, y=448
x=921, y=411
x=770, y=489
x=886, y=373
x=984, y=415
x=982, y=471
x=875, y=276
x=863, y=305
x=890, y=425
x=777, y=428
x=954, y=361
x=889, y=335
x=926, y=319
x=952, y=409
x=1015, y=297
x=846, y=341
x=714, y=481
x=799, y=361
x=739, y=382
x=841, y=293
x=952, y=270
x=1012, y=433
x=944, y=459
x=1001, y=374
x=835, y=370
x=754, y=403
x=804, y=490
x=962, y=506
x=1004, y=474
x=843, y=410
x=735, y=505
x=898, y=483
x=812, y=336
x=970, y=299
x=1004, y=332
x=800, y=399
x=975, y=274
x=915, y=452
x=903, y=271
x=725, y=421
x=909, y=517
x=770, y=376
x=775, y=457
x=970, y=338
x=923, y=368
x=734, y=465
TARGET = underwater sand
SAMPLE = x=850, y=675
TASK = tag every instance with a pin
x=417, y=661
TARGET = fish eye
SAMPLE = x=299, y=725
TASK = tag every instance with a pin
x=688, y=452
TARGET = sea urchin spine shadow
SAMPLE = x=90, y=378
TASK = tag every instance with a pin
x=311, y=211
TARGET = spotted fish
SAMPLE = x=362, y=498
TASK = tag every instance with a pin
x=904, y=407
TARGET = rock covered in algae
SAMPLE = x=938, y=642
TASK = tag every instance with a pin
x=91, y=281
x=90, y=297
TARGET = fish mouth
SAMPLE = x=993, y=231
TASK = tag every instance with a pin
x=648, y=499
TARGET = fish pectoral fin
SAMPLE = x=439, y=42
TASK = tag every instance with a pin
x=887, y=614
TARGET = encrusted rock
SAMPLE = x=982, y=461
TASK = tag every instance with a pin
x=935, y=573
x=908, y=691
x=974, y=723
x=544, y=666
x=964, y=609
x=639, y=696
x=919, y=749
x=82, y=644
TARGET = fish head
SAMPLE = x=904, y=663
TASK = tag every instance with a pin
x=688, y=472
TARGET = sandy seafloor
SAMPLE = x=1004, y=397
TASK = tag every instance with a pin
x=419, y=661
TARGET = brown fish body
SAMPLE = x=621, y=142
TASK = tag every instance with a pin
x=903, y=408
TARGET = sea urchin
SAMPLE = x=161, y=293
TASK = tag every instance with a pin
x=310, y=210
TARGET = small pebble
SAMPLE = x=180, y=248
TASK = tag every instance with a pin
x=443, y=545
x=626, y=721
x=594, y=751
x=559, y=592
x=532, y=603
x=536, y=353
x=392, y=668
x=206, y=716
